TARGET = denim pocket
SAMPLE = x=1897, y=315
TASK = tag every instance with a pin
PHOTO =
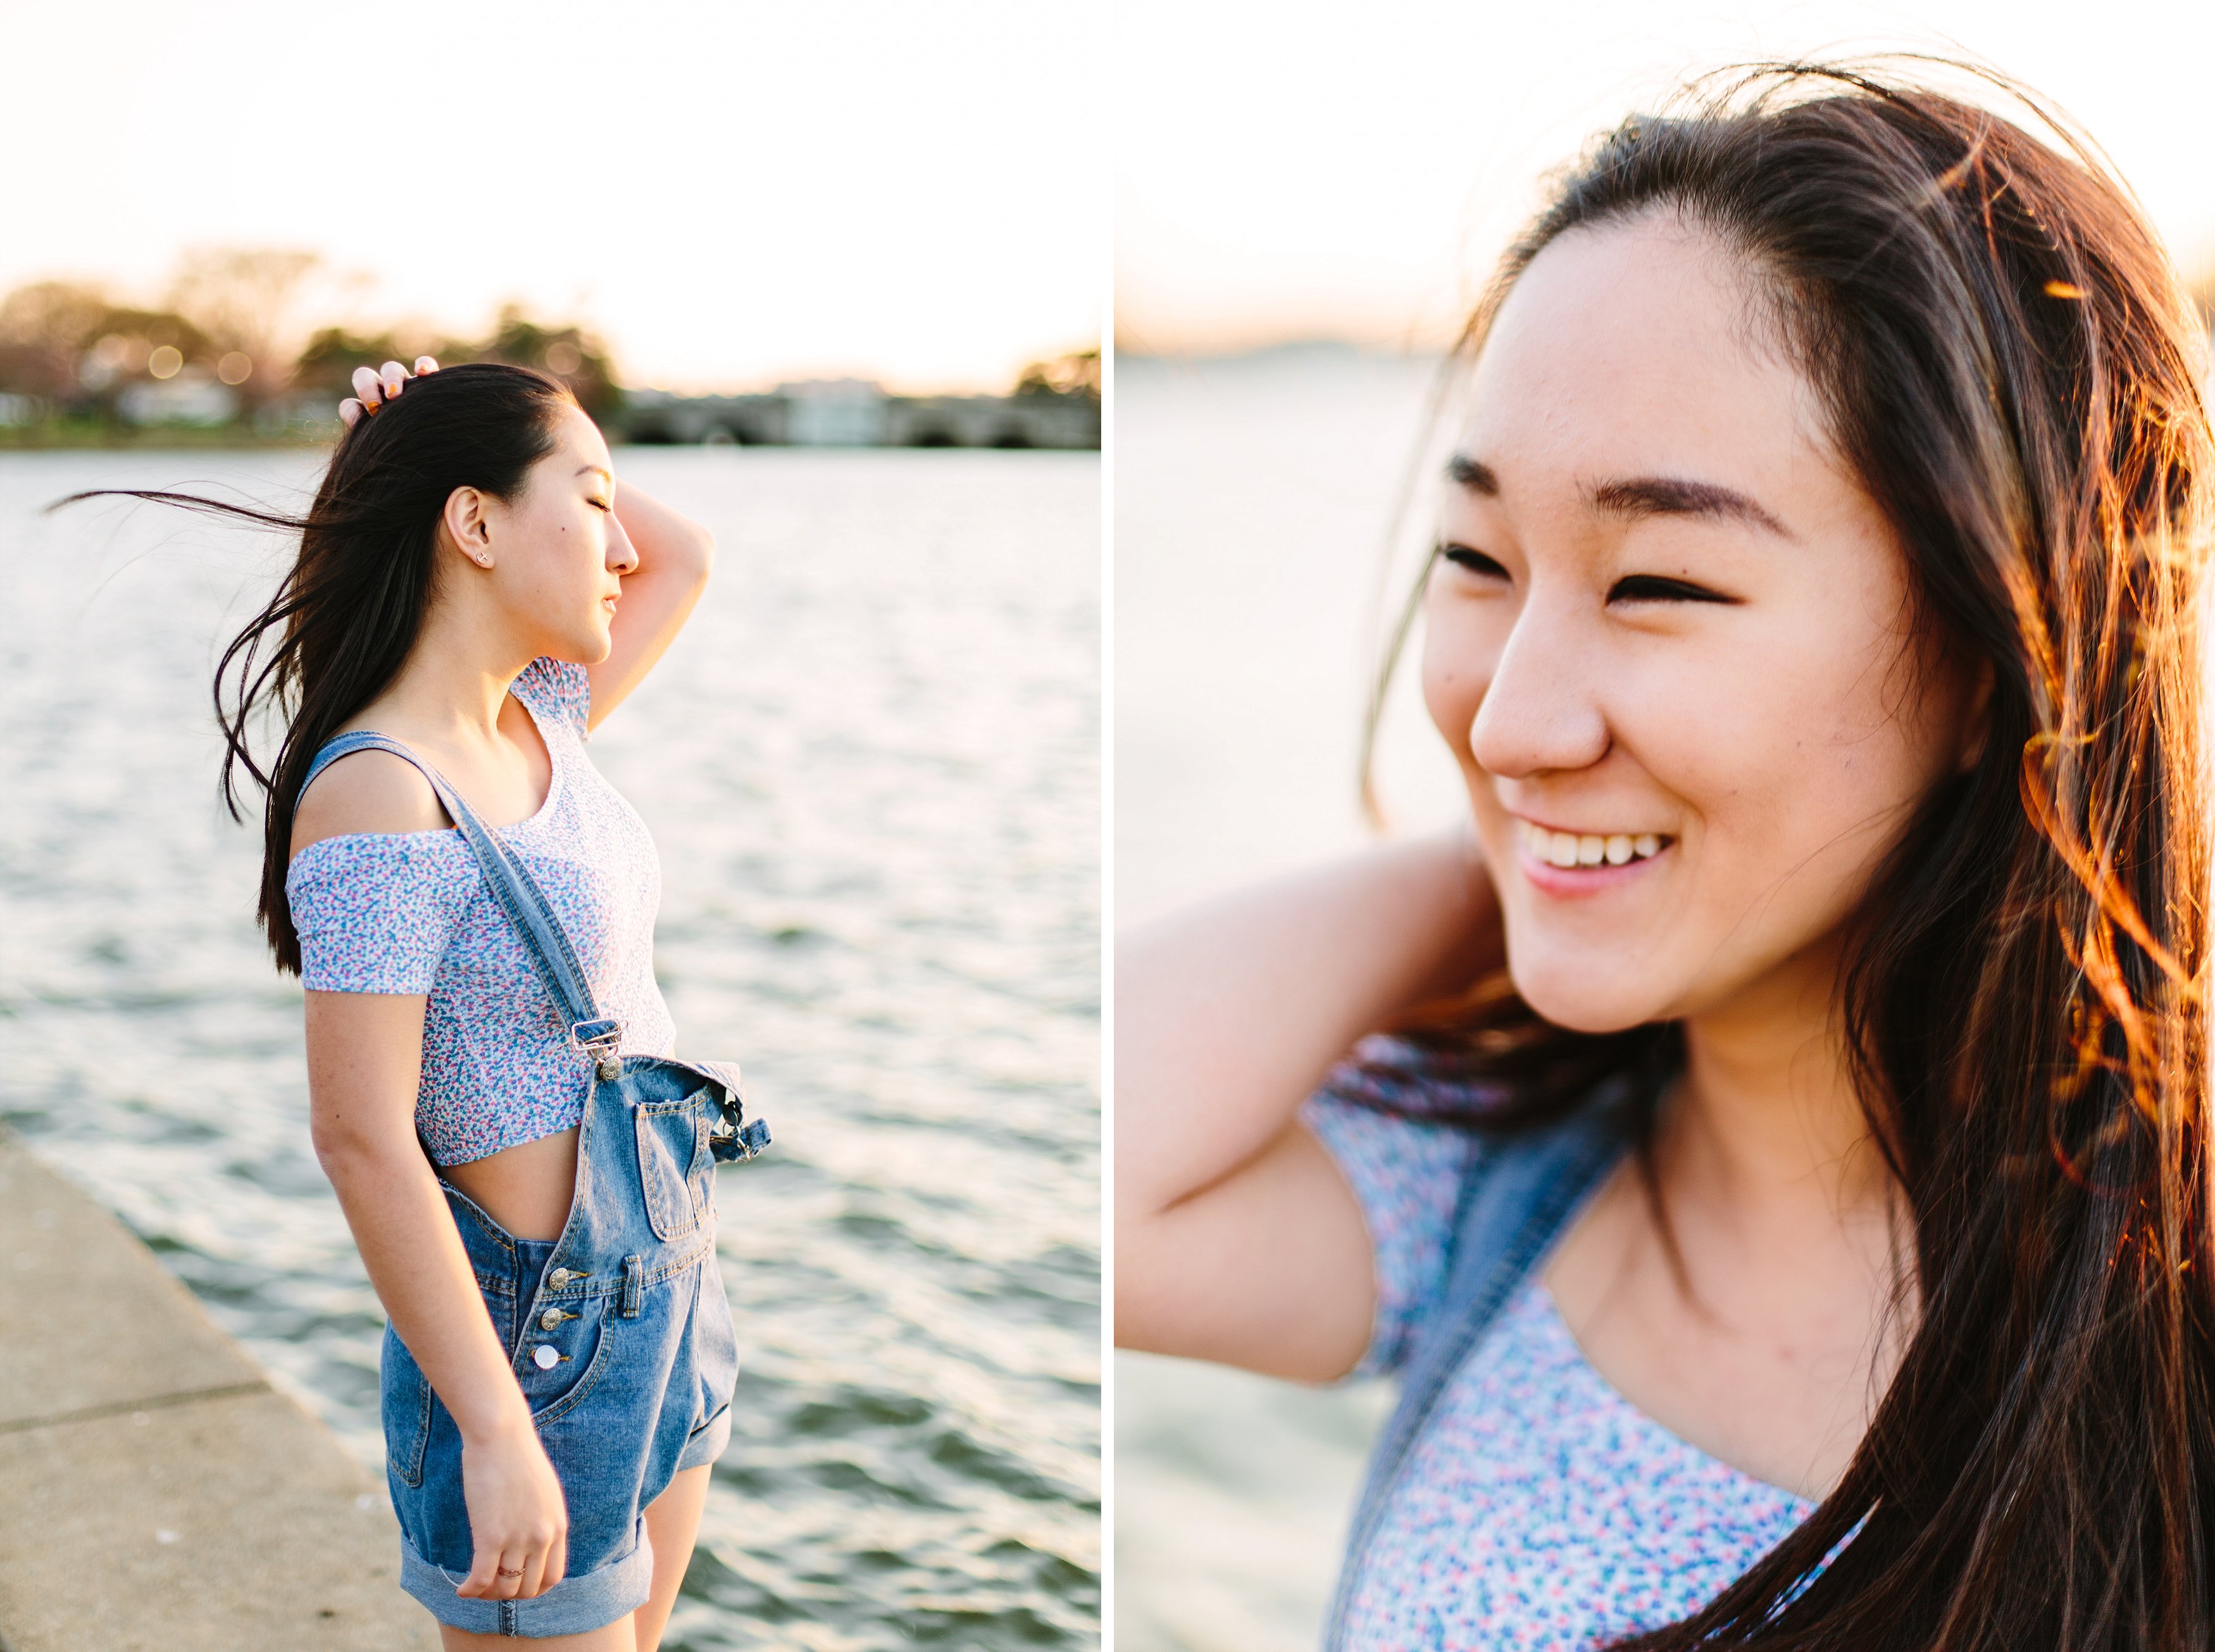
x=404, y=1402
x=674, y=1163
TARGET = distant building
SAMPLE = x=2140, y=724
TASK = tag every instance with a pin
x=833, y=413
x=658, y=416
x=1064, y=421
x=853, y=412
x=192, y=397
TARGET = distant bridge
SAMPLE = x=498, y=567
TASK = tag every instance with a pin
x=852, y=413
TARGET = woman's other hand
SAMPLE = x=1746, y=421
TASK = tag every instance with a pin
x=365, y=1059
x=518, y=1522
x=375, y=386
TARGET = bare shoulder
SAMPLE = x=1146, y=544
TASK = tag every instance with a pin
x=370, y=791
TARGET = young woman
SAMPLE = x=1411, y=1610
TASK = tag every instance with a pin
x=1785, y=1194
x=470, y=908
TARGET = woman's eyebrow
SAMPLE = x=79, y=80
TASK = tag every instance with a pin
x=1639, y=496
x=1474, y=475
x=1642, y=496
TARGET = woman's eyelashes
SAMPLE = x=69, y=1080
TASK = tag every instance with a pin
x=1633, y=587
x=1655, y=588
x=1475, y=562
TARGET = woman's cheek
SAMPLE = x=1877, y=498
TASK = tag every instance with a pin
x=1453, y=687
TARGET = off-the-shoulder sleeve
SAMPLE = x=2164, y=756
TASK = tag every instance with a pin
x=1406, y=1171
x=374, y=912
x=557, y=689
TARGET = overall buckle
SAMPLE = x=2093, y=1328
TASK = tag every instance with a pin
x=601, y=1043
x=733, y=1136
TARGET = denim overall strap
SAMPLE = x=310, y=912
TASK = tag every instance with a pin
x=513, y=888
x=1515, y=1200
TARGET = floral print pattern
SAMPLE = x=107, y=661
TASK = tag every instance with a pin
x=408, y=912
x=1540, y=1511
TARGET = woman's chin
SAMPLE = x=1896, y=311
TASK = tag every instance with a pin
x=1585, y=1000
x=590, y=646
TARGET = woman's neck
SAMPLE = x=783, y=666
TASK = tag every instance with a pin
x=1749, y=1309
x=455, y=679
x=1768, y=1112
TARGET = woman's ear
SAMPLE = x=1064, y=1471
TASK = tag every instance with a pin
x=1977, y=717
x=468, y=523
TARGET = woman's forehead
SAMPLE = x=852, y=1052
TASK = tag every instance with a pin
x=1635, y=348
x=580, y=439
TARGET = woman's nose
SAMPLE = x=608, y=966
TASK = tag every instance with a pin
x=1540, y=712
x=622, y=555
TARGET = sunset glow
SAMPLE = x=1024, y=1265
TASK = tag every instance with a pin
x=1307, y=170
x=729, y=193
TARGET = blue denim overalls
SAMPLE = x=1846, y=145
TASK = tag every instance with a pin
x=619, y=1330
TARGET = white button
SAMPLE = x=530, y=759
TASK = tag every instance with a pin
x=546, y=1357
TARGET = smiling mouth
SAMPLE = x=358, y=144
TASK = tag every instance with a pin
x=1567, y=850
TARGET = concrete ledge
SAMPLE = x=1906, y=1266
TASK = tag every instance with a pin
x=156, y=1494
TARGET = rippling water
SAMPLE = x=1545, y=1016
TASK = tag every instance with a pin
x=871, y=767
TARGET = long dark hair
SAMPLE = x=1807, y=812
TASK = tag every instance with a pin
x=2010, y=366
x=349, y=610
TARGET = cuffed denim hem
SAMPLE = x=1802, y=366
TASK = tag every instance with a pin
x=572, y=1607
x=705, y=1444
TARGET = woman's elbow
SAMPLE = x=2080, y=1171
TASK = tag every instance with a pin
x=701, y=552
x=348, y=1152
x=1148, y=1278
x=682, y=549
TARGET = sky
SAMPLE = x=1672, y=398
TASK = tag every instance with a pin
x=1302, y=170
x=732, y=192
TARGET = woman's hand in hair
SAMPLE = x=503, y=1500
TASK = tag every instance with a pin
x=675, y=556
x=375, y=386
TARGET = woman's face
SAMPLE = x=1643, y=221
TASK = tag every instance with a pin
x=1670, y=640
x=559, y=551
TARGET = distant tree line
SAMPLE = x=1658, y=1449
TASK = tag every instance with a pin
x=74, y=354
x=1077, y=374
x=567, y=353
x=233, y=317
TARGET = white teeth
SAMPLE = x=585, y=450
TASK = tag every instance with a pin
x=1569, y=848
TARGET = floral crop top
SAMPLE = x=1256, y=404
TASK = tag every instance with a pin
x=408, y=912
x=1540, y=1511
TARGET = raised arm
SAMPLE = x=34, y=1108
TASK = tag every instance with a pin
x=1235, y=1237
x=675, y=555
